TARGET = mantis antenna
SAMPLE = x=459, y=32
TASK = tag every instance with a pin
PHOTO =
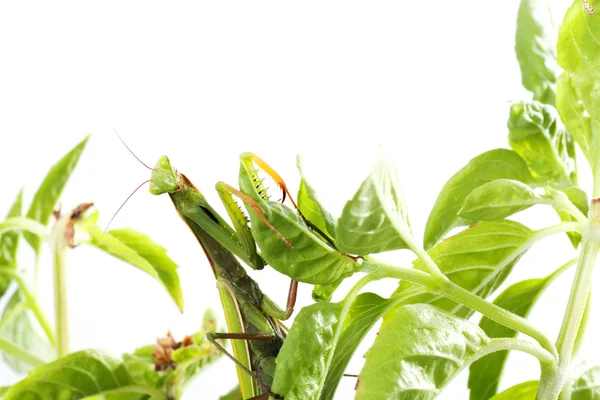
x=136, y=189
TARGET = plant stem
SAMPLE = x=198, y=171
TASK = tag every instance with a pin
x=32, y=304
x=20, y=353
x=552, y=384
x=454, y=292
x=525, y=346
x=60, y=287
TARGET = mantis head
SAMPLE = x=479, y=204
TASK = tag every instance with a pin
x=165, y=178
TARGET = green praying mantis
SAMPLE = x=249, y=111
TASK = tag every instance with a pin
x=253, y=319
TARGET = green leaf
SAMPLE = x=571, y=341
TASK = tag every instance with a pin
x=535, y=48
x=19, y=326
x=518, y=298
x=295, y=250
x=478, y=259
x=487, y=167
x=578, y=98
x=580, y=199
x=376, y=219
x=499, y=199
x=365, y=311
x=522, y=391
x=537, y=134
x=137, y=249
x=50, y=190
x=140, y=365
x=309, y=205
x=302, y=364
x=3, y=390
x=286, y=243
x=313, y=211
x=77, y=376
x=9, y=243
x=587, y=385
x=325, y=292
x=416, y=353
x=234, y=394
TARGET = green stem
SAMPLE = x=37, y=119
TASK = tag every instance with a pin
x=32, y=304
x=558, y=228
x=20, y=353
x=60, y=288
x=24, y=224
x=570, y=208
x=525, y=346
x=551, y=383
x=454, y=292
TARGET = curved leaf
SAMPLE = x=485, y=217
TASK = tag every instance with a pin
x=536, y=133
x=376, y=219
x=487, y=167
x=578, y=97
x=19, y=326
x=309, y=259
x=9, y=243
x=478, y=259
x=417, y=352
x=302, y=364
x=499, y=199
x=587, y=385
x=77, y=376
x=365, y=311
x=49, y=191
x=535, y=48
x=522, y=391
x=137, y=249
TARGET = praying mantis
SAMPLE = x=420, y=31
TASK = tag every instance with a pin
x=252, y=318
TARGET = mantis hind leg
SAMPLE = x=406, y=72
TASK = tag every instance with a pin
x=212, y=338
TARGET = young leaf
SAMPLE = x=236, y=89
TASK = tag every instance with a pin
x=309, y=204
x=365, y=311
x=312, y=210
x=587, y=385
x=9, y=242
x=578, y=100
x=487, y=167
x=18, y=325
x=140, y=365
x=535, y=44
x=191, y=360
x=137, y=249
x=325, y=292
x=302, y=364
x=522, y=391
x=537, y=135
x=518, y=298
x=77, y=376
x=499, y=199
x=417, y=352
x=376, y=219
x=50, y=190
x=478, y=259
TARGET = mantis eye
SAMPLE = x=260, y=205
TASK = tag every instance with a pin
x=164, y=177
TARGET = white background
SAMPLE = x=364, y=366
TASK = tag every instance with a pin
x=431, y=81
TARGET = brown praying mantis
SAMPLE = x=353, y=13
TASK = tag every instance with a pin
x=252, y=318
